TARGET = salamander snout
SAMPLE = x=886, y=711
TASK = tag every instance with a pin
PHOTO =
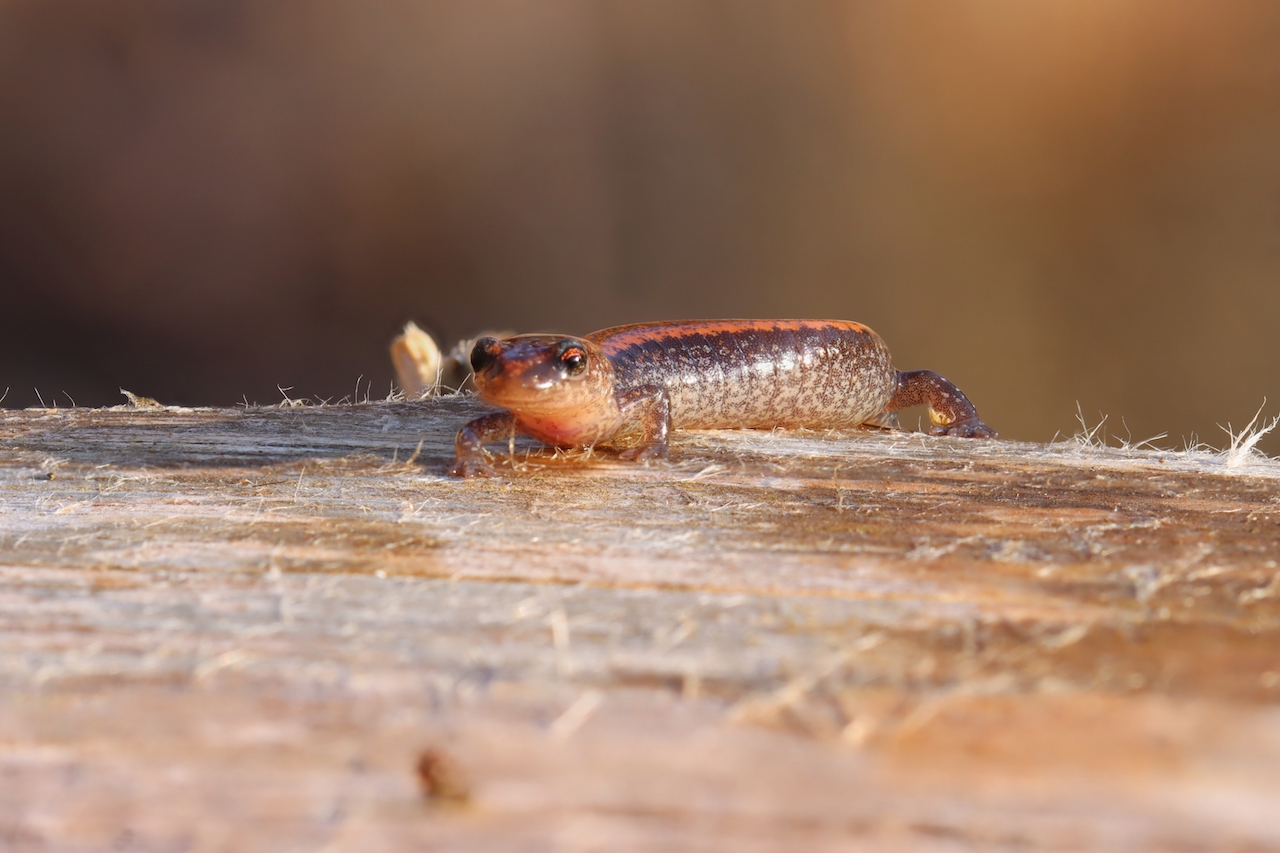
x=485, y=353
x=535, y=357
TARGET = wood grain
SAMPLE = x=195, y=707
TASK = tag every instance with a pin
x=286, y=629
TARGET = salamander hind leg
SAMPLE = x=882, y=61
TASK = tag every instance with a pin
x=949, y=409
x=649, y=406
x=469, y=445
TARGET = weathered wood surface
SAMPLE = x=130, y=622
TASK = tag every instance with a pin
x=243, y=630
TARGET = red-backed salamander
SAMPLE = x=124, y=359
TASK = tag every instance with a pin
x=696, y=374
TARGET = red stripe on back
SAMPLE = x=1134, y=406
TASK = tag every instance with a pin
x=620, y=337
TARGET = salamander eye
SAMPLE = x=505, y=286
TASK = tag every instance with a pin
x=573, y=358
x=485, y=353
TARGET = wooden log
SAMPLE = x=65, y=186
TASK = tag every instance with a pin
x=286, y=628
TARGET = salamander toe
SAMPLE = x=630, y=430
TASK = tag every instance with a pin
x=965, y=429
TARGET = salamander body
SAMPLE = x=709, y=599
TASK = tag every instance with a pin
x=696, y=374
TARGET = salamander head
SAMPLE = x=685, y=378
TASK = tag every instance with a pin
x=560, y=388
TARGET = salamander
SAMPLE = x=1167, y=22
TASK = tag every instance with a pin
x=696, y=374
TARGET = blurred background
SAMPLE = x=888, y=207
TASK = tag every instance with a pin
x=1054, y=204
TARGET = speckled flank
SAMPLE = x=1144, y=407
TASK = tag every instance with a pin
x=756, y=373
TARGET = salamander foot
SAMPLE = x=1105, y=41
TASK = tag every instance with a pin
x=644, y=453
x=471, y=467
x=964, y=429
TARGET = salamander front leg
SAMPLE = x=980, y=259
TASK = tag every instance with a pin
x=651, y=408
x=469, y=445
x=949, y=409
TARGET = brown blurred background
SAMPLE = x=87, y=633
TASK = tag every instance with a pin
x=1050, y=203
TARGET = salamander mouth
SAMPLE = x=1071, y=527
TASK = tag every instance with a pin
x=530, y=388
